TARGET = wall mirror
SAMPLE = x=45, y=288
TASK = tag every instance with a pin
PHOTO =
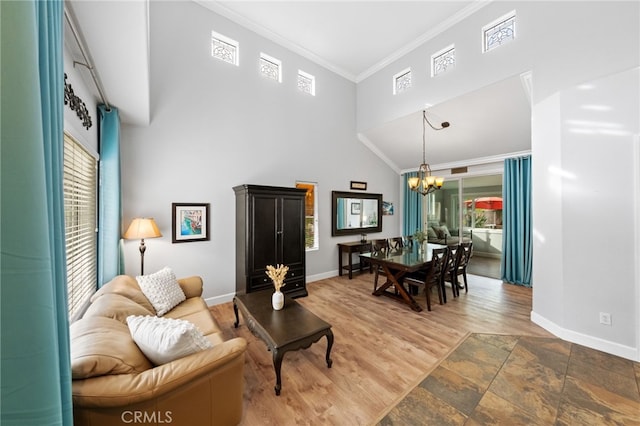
x=355, y=213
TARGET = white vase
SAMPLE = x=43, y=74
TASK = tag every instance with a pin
x=277, y=300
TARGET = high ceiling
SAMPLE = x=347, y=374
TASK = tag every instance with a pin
x=352, y=38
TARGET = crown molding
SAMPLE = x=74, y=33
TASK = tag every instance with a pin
x=366, y=142
x=296, y=48
x=274, y=37
x=444, y=25
x=473, y=161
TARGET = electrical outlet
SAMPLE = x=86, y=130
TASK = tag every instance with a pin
x=605, y=318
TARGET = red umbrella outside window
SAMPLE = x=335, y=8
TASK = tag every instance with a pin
x=487, y=203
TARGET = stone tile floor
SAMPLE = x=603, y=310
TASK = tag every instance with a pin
x=519, y=380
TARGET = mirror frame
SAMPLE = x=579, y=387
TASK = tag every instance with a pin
x=351, y=231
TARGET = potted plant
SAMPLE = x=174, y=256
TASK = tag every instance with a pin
x=420, y=237
x=277, y=275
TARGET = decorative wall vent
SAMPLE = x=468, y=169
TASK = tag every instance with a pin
x=457, y=170
x=306, y=83
x=443, y=60
x=271, y=67
x=500, y=31
x=225, y=49
x=76, y=104
x=402, y=81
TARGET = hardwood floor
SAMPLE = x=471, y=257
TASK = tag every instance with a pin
x=382, y=349
x=484, y=266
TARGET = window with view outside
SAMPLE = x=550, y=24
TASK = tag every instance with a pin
x=469, y=208
x=482, y=213
x=80, y=202
x=482, y=202
x=311, y=214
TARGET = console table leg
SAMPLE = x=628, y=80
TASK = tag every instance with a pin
x=235, y=310
x=329, y=346
x=277, y=365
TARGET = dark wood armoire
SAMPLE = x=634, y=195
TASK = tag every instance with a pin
x=270, y=231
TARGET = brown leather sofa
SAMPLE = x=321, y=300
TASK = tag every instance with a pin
x=115, y=384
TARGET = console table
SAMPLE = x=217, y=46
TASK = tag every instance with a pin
x=350, y=248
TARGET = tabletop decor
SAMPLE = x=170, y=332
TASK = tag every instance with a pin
x=277, y=275
x=420, y=236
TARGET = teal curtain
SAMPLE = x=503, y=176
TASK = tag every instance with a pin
x=517, y=232
x=110, y=214
x=412, y=211
x=35, y=360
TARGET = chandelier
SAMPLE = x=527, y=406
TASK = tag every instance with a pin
x=425, y=183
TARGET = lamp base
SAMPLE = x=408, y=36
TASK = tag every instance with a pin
x=143, y=248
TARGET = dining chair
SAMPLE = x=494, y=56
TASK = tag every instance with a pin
x=464, y=254
x=396, y=243
x=408, y=241
x=433, y=277
x=449, y=274
x=377, y=246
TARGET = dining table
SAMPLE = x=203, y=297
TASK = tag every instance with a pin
x=396, y=263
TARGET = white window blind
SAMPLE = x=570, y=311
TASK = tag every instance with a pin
x=80, y=201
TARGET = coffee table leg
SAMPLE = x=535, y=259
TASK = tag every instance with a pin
x=329, y=345
x=235, y=310
x=277, y=365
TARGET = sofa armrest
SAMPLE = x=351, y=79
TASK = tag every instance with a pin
x=191, y=286
x=126, y=389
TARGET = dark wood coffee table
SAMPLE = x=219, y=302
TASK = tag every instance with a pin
x=290, y=329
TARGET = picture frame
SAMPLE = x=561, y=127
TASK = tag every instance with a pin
x=356, y=208
x=361, y=186
x=189, y=222
x=387, y=208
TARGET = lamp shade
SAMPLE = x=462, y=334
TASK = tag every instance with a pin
x=142, y=227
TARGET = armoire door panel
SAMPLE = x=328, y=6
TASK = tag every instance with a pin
x=264, y=243
x=292, y=232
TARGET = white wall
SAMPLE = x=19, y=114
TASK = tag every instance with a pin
x=594, y=180
x=576, y=274
x=562, y=42
x=215, y=126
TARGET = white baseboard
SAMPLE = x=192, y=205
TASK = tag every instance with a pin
x=589, y=341
x=212, y=301
x=324, y=275
x=217, y=300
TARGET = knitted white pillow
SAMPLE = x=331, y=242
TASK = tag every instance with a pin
x=162, y=290
x=164, y=339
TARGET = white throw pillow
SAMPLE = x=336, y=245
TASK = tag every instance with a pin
x=164, y=339
x=162, y=290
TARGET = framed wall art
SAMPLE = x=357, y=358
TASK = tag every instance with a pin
x=361, y=186
x=190, y=222
x=387, y=208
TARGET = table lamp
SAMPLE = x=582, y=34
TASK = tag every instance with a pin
x=142, y=227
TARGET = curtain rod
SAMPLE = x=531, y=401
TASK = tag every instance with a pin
x=96, y=80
